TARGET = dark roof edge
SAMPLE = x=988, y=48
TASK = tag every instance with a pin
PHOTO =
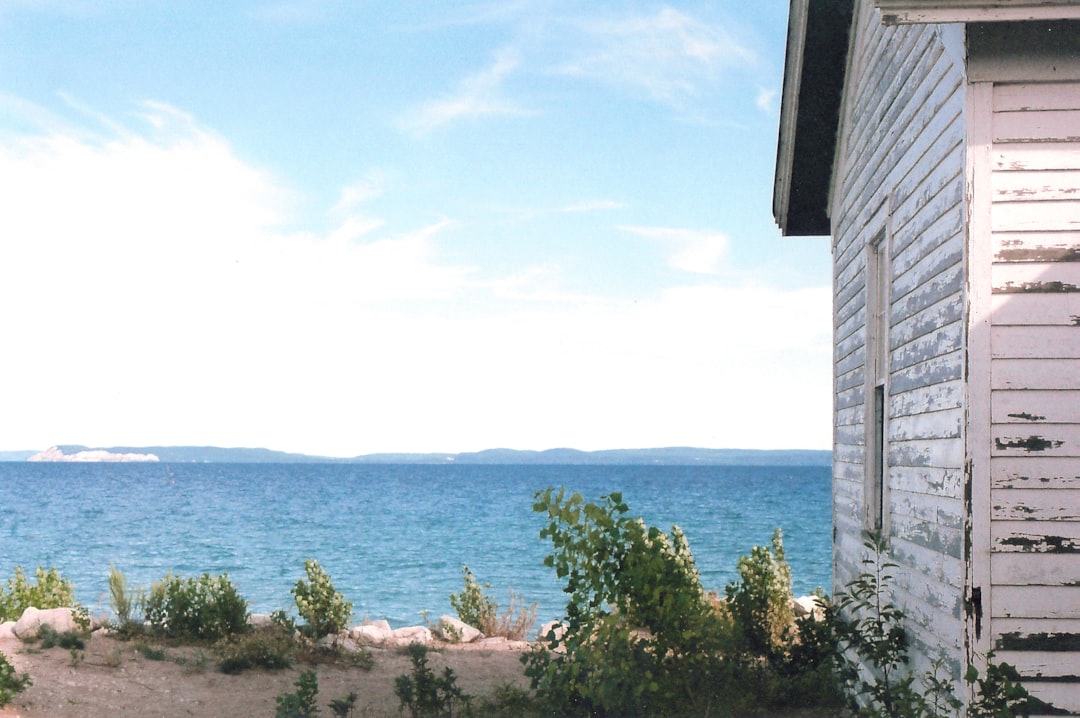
x=814, y=68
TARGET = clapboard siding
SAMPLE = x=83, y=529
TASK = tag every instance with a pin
x=901, y=170
x=1034, y=185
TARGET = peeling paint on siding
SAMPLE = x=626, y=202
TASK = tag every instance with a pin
x=1016, y=641
x=1028, y=444
x=1036, y=288
x=1039, y=543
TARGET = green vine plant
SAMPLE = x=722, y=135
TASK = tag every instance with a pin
x=999, y=694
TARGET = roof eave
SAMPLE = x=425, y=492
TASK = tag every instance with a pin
x=809, y=114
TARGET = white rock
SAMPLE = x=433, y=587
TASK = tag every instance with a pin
x=372, y=633
x=28, y=625
x=259, y=620
x=457, y=631
x=7, y=629
x=410, y=634
x=545, y=629
x=805, y=605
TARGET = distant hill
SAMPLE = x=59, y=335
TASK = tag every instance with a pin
x=671, y=456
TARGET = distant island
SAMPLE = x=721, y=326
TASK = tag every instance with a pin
x=670, y=456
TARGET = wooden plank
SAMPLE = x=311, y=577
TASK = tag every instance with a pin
x=1022, y=342
x=945, y=424
x=948, y=310
x=931, y=481
x=933, y=509
x=1041, y=439
x=1017, y=97
x=1036, y=407
x=1023, y=627
x=928, y=373
x=939, y=453
x=1035, y=505
x=1037, y=126
x=1036, y=278
x=1018, y=157
x=1035, y=472
x=1050, y=602
x=1034, y=186
x=946, y=395
x=1062, y=695
x=945, y=340
x=1036, y=246
x=928, y=534
x=1033, y=309
x=1033, y=537
x=1031, y=569
x=1035, y=373
x=1036, y=216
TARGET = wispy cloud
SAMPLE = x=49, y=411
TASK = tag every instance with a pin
x=766, y=101
x=669, y=56
x=479, y=95
x=692, y=250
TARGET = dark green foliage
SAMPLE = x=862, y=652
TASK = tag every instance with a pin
x=424, y=694
x=49, y=637
x=11, y=682
x=1000, y=693
x=49, y=590
x=301, y=703
x=272, y=648
x=206, y=608
x=343, y=707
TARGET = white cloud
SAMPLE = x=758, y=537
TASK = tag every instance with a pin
x=479, y=95
x=670, y=56
x=693, y=250
x=152, y=296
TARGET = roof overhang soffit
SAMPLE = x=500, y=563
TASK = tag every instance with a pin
x=817, y=46
x=897, y=12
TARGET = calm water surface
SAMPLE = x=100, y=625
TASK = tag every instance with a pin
x=393, y=537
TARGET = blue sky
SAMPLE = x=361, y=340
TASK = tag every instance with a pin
x=350, y=227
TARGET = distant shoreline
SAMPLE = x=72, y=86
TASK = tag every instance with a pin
x=669, y=456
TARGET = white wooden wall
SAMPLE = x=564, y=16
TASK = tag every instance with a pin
x=901, y=166
x=1034, y=180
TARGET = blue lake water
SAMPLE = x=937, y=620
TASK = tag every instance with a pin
x=393, y=537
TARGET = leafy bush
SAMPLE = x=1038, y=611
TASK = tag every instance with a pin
x=11, y=682
x=760, y=601
x=301, y=703
x=640, y=635
x=208, y=607
x=49, y=637
x=50, y=590
x=424, y=694
x=475, y=608
x=271, y=648
x=319, y=603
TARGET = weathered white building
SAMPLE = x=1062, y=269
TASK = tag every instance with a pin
x=938, y=143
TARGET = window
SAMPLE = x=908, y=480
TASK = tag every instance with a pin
x=877, y=372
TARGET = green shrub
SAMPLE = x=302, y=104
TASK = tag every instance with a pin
x=477, y=609
x=11, y=682
x=760, y=600
x=424, y=694
x=272, y=648
x=1000, y=694
x=473, y=606
x=49, y=637
x=641, y=637
x=50, y=590
x=207, y=608
x=301, y=703
x=319, y=603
